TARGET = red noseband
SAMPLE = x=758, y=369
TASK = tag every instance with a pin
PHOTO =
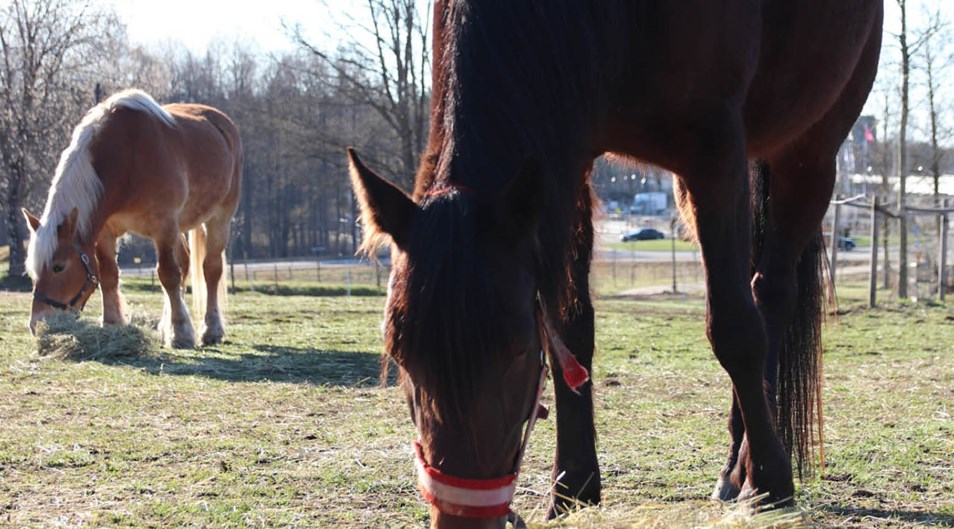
x=477, y=498
x=491, y=498
x=468, y=498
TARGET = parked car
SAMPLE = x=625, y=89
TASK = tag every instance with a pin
x=643, y=234
x=844, y=243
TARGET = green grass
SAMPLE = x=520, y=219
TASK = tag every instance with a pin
x=286, y=425
x=657, y=245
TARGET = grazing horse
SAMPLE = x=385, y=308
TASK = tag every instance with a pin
x=747, y=102
x=156, y=171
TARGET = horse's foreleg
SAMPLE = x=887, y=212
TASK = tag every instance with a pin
x=576, y=472
x=717, y=181
x=113, y=306
x=217, y=236
x=175, y=326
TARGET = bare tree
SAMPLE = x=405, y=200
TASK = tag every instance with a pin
x=388, y=74
x=937, y=59
x=909, y=49
x=885, y=189
x=47, y=49
x=906, y=53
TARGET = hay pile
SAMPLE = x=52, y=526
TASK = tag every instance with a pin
x=67, y=337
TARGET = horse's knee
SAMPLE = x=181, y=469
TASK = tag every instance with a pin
x=212, y=268
x=738, y=339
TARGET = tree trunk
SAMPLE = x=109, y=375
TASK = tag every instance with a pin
x=12, y=203
x=903, y=154
x=886, y=191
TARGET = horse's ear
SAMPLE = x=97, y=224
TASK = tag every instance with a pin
x=385, y=208
x=519, y=207
x=68, y=227
x=32, y=221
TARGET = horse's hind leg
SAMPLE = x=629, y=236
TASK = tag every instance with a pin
x=800, y=179
x=717, y=180
x=217, y=236
x=175, y=325
x=576, y=472
x=113, y=306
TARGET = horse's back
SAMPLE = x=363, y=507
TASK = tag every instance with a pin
x=187, y=171
x=815, y=58
x=687, y=66
x=211, y=144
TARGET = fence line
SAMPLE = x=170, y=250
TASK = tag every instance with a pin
x=922, y=275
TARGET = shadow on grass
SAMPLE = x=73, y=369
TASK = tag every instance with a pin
x=935, y=519
x=269, y=363
x=281, y=290
x=15, y=283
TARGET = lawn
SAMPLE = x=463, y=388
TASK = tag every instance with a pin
x=286, y=424
x=657, y=245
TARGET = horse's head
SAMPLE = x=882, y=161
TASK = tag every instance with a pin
x=61, y=266
x=462, y=323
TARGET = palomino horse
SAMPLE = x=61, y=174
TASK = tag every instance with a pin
x=133, y=166
x=491, y=254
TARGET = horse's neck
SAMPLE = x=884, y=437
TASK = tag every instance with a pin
x=504, y=104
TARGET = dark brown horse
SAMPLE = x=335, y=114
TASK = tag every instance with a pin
x=133, y=166
x=491, y=254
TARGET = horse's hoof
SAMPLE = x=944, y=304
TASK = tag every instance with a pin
x=516, y=521
x=212, y=334
x=725, y=490
x=182, y=343
x=180, y=340
x=766, y=502
x=747, y=493
x=212, y=338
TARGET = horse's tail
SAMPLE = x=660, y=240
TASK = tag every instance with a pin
x=799, y=419
x=197, y=241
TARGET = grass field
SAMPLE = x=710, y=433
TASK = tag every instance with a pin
x=657, y=245
x=286, y=425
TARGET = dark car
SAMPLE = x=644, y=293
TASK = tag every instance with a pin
x=644, y=234
x=846, y=243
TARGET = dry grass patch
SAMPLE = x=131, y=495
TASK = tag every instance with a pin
x=699, y=515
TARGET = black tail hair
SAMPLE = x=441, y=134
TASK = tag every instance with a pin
x=798, y=413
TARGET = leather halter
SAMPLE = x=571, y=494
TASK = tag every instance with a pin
x=89, y=284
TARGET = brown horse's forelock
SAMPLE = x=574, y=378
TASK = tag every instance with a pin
x=442, y=326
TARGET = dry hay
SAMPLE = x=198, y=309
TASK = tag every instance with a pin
x=700, y=515
x=67, y=337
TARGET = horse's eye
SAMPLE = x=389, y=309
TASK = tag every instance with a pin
x=57, y=268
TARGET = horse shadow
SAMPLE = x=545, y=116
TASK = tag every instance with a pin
x=272, y=363
x=915, y=517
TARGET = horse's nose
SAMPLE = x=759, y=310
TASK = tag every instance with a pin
x=33, y=321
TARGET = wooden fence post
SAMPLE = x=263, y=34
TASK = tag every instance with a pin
x=942, y=256
x=834, y=238
x=672, y=235
x=873, y=274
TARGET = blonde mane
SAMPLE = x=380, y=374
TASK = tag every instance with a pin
x=75, y=183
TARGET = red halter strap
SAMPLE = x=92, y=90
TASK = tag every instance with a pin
x=477, y=498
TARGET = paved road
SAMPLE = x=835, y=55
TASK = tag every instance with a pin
x=608, y=231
